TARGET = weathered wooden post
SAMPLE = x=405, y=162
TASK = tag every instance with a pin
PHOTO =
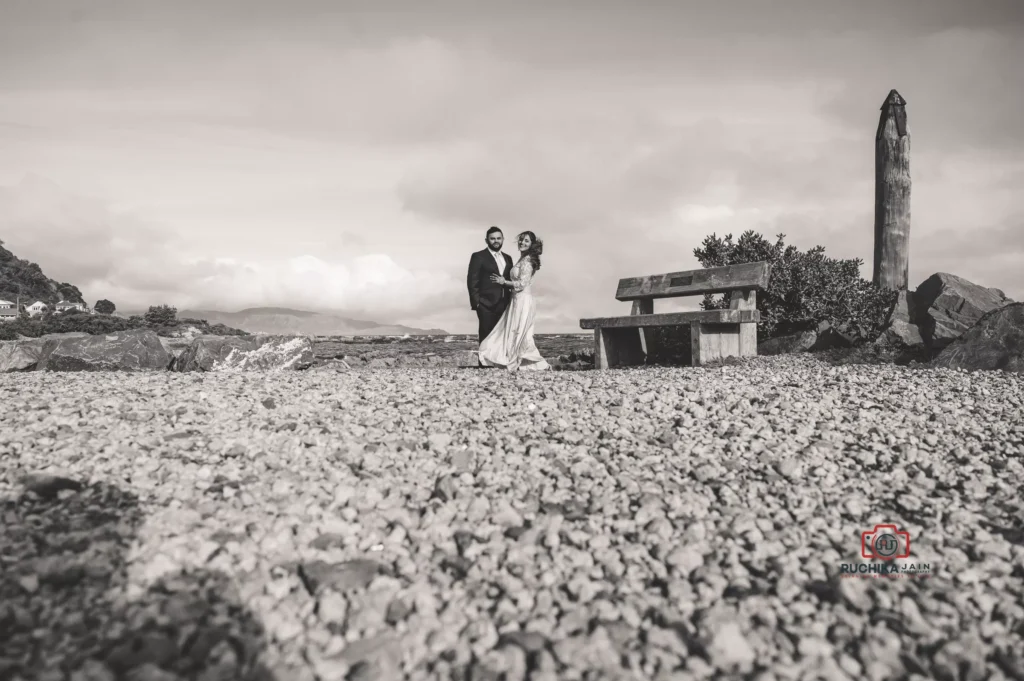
x=892, y=195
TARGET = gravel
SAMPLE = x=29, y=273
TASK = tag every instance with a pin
x=463, y=524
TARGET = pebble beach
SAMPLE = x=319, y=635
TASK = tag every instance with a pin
x=443, y=523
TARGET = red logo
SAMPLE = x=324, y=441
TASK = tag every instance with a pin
x=885, y=542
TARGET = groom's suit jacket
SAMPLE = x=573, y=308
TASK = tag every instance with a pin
x=482, y=291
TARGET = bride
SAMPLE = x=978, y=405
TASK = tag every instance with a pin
x=510, y=344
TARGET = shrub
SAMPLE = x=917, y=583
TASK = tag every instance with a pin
x=161, y=315
x=76, y=320
x=104, y=307
x=805, y=289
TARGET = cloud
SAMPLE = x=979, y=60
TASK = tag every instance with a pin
x=137, y=263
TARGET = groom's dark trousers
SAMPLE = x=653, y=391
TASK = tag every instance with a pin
x=488, y=299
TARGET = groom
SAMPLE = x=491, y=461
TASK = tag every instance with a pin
x=488, y=299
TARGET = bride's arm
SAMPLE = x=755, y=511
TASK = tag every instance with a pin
x=525, y=275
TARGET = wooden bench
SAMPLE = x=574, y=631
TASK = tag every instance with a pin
x=715, y=334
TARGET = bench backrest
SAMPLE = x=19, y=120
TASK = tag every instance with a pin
x=751, y=275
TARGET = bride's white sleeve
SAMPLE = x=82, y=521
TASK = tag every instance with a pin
x=525, y=275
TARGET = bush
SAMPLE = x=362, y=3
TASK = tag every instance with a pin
x=804, y=290
x=76, y=320
x=104, y=307
x=161, y=315
x=72, y=320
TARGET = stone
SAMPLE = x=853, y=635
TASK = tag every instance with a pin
x=785, y=345
x=49, y=486
x=901, y=327
x=175, y=346
x=345, y=576
x=946, y=305
x=728, y=648
x=20, y=355
x=829, y=337
x=995, y=342
x=242, y=353
x=135, y=350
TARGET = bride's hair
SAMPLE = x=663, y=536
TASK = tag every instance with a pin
x=536, y=248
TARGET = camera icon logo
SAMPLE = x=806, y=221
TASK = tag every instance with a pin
x=885, y=542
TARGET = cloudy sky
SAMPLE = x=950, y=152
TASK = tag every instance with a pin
x=349, y=156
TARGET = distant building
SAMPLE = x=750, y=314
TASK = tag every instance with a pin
x=8, y=310
x=36, y=307
x=64, y=305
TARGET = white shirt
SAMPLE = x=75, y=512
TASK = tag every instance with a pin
x=499, y=258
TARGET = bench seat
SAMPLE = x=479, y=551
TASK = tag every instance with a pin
x=714, y=334
x=672, y=319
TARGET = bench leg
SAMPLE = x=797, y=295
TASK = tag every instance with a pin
x=713, y=342
x=617, y=347
x=748, y=339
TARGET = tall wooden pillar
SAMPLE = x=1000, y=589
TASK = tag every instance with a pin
x=892, y=195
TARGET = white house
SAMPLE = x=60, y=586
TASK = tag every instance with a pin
x=64, y=305
x=8, y=310
x=37, y=307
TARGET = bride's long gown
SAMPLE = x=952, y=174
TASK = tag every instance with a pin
x=510, y=344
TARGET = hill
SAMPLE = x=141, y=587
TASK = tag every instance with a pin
x=286, y=321
x=25, y=278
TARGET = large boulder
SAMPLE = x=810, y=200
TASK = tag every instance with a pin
x=995, y=342
x=241, y=353
x=23, y=354
x=945, y=306
x=175, y=345
x=134, y=350
x=20, y=355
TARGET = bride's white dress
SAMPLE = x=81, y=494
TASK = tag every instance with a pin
x=510, y=344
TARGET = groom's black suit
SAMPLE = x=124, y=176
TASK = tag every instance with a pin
x=488, y=299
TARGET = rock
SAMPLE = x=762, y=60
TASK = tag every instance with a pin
x=347, y=576
x=784, y=345
x=135, y=350
x=829, y=338
x=728, y=648
x=49, y=486
x=176, y=345
x=995, y=342
x=241, y=353
x=901, y=327
x=945, y=306
x=467, y=358
x=20, y=355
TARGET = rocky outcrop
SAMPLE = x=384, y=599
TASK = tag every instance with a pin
x=995, y=342
x=242, y=353
x=20, y=355
x=945, y=306
x=135, y=350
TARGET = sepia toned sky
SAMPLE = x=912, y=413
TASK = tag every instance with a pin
x=349, y=156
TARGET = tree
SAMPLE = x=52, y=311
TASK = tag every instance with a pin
x=161, y=315
x=805, y=289
x=104, y=307
x=69, y=292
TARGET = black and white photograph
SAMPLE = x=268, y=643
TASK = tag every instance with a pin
x=470, y=340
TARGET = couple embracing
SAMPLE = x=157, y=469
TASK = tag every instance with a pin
x=499, y=293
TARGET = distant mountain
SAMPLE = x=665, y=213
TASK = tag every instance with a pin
x=285, y=321
x=25, y=278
